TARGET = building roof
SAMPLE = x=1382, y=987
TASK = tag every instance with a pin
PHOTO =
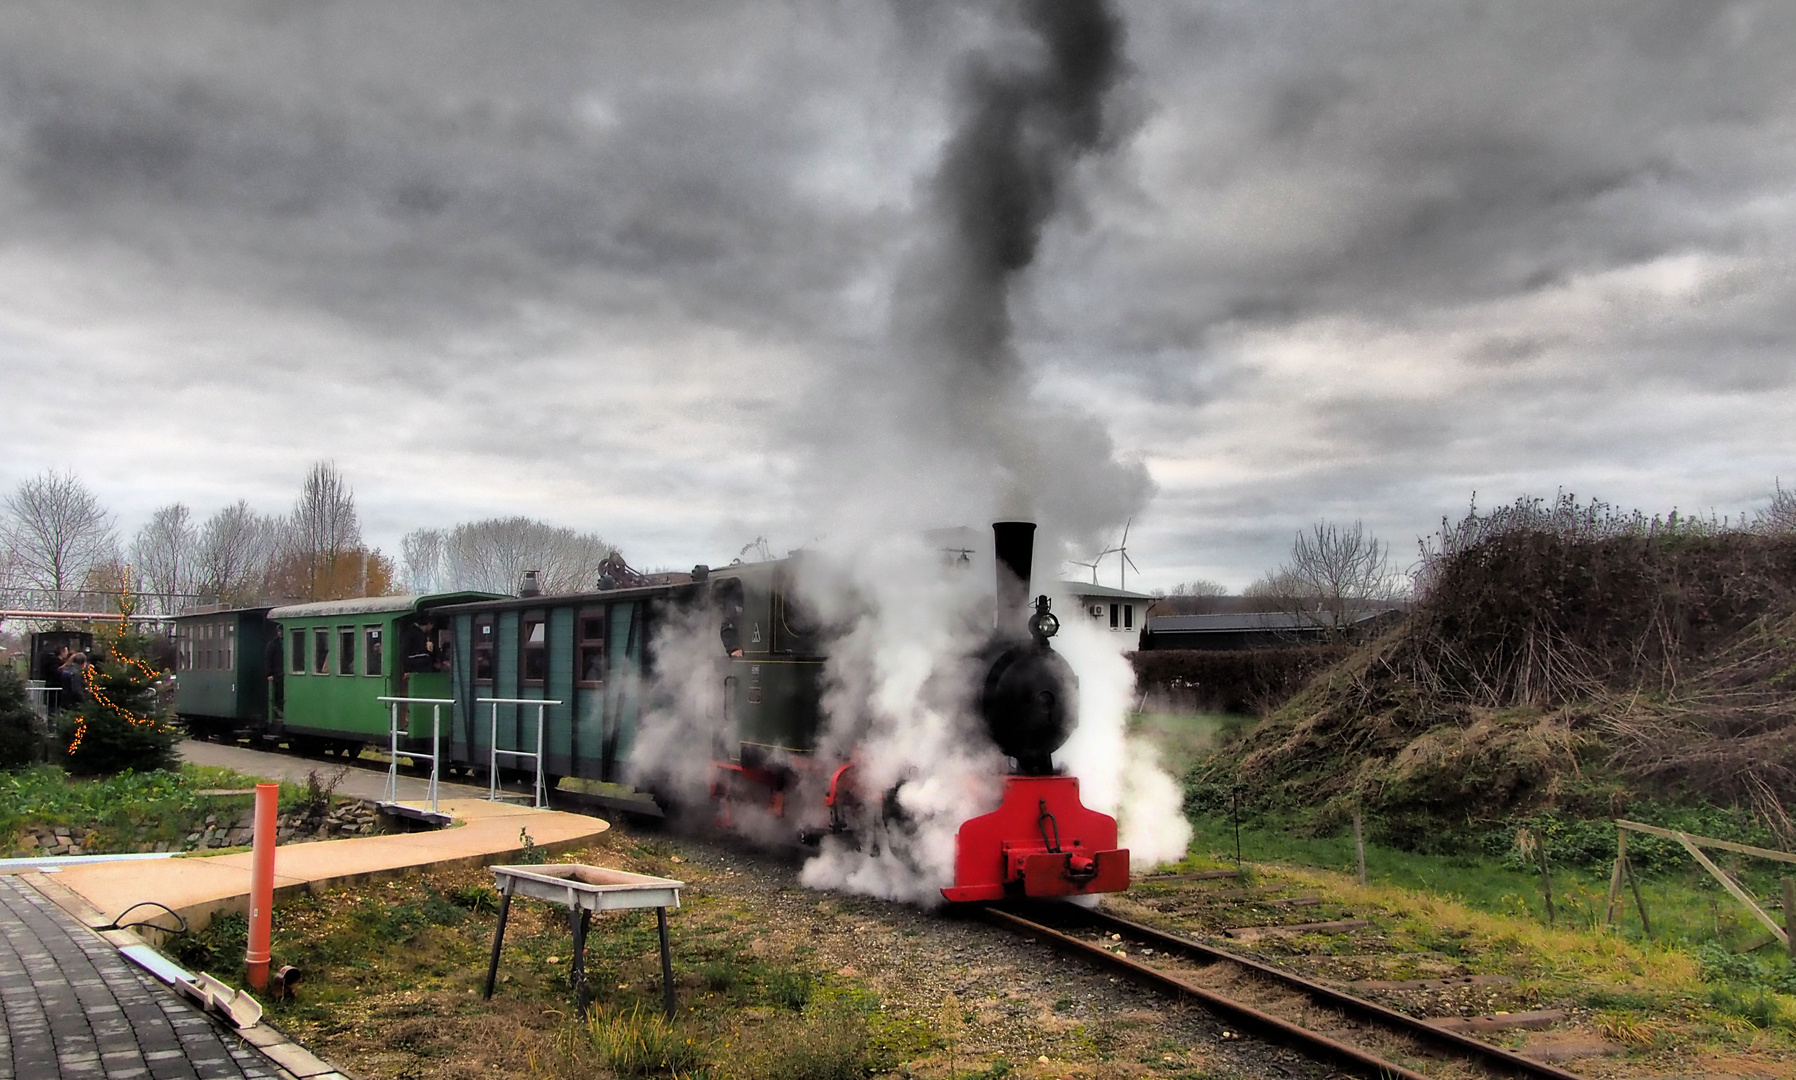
x=1089, y=590
x=1247, y=621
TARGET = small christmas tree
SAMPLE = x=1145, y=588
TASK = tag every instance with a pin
x=122, y=720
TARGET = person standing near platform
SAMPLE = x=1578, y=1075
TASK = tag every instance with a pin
x=274, y=666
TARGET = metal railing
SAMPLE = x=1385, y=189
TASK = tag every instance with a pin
x=42, y=697
x=435, y=755
x=492, y=771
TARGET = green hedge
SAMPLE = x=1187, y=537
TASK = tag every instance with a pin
x=1243, y=681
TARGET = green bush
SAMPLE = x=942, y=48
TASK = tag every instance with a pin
x=20, y=741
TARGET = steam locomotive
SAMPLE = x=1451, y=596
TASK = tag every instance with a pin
x=311, y=675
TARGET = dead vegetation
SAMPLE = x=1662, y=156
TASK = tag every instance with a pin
x=1557, y=652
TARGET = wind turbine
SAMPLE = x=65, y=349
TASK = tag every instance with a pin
x=1092, y=565
x=1127, y=564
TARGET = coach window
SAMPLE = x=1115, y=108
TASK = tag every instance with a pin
x=592, y=648
x=346, y=650
x=297, y=662
x=321, y=651
x=230, y=649
x=371, y=636
x=535, y=648
x=483, y=649
x=183, y=652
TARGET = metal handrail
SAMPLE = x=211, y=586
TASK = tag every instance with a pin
x=493, y=751
x=436, y=729
x=43, y=707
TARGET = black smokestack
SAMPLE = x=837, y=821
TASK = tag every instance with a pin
x=1014, y=544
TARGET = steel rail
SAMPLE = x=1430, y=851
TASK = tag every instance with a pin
x=1447, y=1041
x=1282, y=1031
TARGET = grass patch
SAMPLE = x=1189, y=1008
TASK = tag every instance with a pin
x=638, y=1043
x=126, y=812
x=1184, y=739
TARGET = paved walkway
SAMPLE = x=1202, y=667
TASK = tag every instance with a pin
x=74, y=1008
x=199, y=888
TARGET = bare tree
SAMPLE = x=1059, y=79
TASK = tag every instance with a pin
x=165, y=556
x=492, y=556
x=323, y=530
x=1200, y=587
x=1780, y=516
x=235, y=548
x=422, y=550
x=56, y=531
x=1336, y=575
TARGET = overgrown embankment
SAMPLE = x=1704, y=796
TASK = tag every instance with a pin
x=1560, y=656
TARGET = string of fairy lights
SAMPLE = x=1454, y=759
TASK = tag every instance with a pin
x=90, y=676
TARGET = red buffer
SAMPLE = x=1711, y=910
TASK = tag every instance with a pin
x=1041, y=841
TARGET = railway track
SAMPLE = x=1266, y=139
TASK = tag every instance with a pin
x=1318, y=1020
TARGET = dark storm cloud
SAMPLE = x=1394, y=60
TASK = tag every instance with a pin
x=398, y=165
x=621, y=262
x=1393, y=157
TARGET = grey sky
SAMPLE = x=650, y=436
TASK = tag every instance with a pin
x=607, y=264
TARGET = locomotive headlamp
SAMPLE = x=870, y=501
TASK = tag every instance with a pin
x=1044, y=624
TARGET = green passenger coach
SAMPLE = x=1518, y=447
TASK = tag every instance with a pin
x=340, y=657
x=220, y=681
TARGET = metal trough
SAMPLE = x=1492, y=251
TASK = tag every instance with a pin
x=583, y=890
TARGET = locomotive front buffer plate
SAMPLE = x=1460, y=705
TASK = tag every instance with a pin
x=1041, y=842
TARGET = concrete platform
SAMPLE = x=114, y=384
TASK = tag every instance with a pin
x=203, y=887
x=361, y=779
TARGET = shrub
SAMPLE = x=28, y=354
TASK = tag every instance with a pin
x=1233, y=681
x=21, y=742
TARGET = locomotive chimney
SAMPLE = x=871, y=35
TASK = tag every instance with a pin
x=1014, y=544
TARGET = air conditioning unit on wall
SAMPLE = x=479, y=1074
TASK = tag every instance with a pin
x=1097, y=611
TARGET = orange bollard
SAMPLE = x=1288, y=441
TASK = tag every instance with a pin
x=261, y=884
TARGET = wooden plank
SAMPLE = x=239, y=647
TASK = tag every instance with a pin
x=1534, y=1019
x=1201, y=875
x=1339, y=926
x=1707, y=841
x=1432, y=984
x=1728, y=884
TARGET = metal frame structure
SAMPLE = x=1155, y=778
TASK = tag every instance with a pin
x=435, y=755
x=492, y=769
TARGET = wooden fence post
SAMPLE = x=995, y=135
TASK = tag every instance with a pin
x=1546, y=879
x=1790, y=915
x=1359, y=845
x=1634, y=885
x=1621, y=858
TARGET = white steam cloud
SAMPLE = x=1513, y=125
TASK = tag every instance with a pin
x=943, y=429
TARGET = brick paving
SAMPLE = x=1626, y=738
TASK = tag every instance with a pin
x=74, y=1009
